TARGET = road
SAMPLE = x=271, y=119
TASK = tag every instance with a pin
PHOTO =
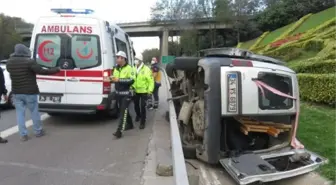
x=77, y=150
x=8, y=118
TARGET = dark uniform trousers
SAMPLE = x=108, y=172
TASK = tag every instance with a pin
x=140, y=100
x=125, y=121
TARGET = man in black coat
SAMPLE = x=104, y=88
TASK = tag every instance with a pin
x=3, y=92
x=23, y=70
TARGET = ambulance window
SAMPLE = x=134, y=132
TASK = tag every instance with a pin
x=47, y=49
x=85, y=50
x=121, y=46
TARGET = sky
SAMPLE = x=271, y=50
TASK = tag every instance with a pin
x=116, y=11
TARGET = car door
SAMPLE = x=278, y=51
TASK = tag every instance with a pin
x=47, y=52
x=272, y=166
x=84, y=82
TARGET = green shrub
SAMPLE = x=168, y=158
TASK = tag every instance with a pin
x=313, y=45
x=329, y=50
x=318, y=88
x=319, y=67
x=294, y=54
x=294, y=26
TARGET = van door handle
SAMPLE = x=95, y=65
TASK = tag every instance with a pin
x=73, y=80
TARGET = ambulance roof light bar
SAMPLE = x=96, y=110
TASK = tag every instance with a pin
x=71, y=11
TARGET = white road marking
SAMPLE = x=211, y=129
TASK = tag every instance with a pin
x=15, y=129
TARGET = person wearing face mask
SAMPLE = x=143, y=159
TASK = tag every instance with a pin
x=123, y=77
x=143, y=86
x=157, y=83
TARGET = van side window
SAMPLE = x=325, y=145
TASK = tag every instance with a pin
x=113, y=46
x=121, y=46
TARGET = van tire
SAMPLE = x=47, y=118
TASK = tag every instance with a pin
x=186, y=63
x=170, y=70
x=10, y=101
x=53, y=114
x=114, y=112
x=189, y=151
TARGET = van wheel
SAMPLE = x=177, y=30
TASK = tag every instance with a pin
x=54, y=114
x=10, y=102
x=113, y=110
x=113, y=113
x=189, y=151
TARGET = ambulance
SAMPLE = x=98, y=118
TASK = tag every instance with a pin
x=84, y=48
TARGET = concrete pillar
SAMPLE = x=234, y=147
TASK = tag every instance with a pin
x=164, y=43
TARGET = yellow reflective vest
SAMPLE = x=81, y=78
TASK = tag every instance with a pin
x=144, y=81
x=126, y=77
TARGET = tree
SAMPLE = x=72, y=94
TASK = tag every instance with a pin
x=284, y=12
x=8, y=35
x=148, y=54
x=243, y=12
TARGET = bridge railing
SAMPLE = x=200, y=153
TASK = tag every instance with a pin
x=179, y=166
x=24, y=29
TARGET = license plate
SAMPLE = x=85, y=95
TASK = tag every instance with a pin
x=50, y=99
x=232, y=92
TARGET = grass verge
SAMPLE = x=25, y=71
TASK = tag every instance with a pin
x=317, y=132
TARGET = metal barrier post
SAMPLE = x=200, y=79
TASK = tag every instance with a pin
x=180, y=170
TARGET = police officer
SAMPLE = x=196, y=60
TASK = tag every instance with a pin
x=143, y=86
x=123, y=76
x=157, y=84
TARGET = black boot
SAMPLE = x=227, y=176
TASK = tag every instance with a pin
x=142, y=125
x=118, y=134
x=2, y=140
x=137, y=118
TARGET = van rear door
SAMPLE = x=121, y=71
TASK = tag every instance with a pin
x=273, y=166
x=84, y=82
x=47, y=53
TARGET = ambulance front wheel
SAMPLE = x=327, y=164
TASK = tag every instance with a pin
x=53, y=114
x=113, y=109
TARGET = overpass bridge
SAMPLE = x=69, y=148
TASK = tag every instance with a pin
x=159, y=29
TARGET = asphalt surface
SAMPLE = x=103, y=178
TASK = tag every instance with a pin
x=77, y=150
x=8, y=118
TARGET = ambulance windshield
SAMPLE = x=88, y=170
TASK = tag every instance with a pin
x=67, y=51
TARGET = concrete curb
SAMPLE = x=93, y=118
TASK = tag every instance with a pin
x=158, y=168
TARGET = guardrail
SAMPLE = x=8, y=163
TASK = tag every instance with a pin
x=179, y=167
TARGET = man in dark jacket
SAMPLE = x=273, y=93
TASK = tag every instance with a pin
x=3, y=92
x=23, y=72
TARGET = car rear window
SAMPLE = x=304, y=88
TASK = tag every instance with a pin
x=48, y=50
x=271, y=101
x=82, y=51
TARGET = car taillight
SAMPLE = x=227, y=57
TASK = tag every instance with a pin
x=241, y=63
x=106, y=85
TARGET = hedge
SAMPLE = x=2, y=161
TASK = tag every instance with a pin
x=294, y=26
x=319, y=67
x=327, y=50
x=258, y=41
x=289, y=51
x=318, y=88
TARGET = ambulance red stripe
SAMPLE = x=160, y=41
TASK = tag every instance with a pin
x=75, y=73
x=80, y=73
